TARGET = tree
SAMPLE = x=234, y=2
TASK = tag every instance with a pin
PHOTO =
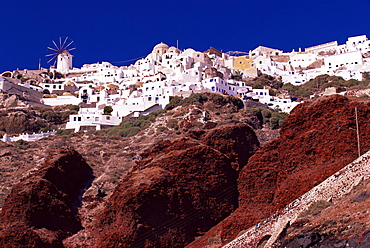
x=108, y=110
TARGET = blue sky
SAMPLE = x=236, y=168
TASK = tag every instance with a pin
x=119, y=30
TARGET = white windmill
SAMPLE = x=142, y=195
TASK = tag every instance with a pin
x=60, y=54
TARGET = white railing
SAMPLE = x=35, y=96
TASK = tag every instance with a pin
x=28, y=137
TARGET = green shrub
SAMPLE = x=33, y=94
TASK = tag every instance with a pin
x=64, y=132
x=125, y=123
x=174, y=102
x=274, y=123
x=152, y=115
x=51, y=116
x=172, y=124
x=315, y=208
x=266, y=115
x=72, y=107
x=115, y=131
x=108, y=110
x=46, y=129
x=235, y=101
x=217, y=99
x=22, y=144
x=194, y=99
x=132, y=131
x=162, y=128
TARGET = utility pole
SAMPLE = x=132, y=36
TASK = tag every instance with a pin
x=358, y=134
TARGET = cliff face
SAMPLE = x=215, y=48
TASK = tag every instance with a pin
x=316, y=140
x=41, y=210
x=178, y=191
x=18, y=123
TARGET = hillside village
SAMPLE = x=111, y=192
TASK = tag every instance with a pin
x=148, y=84
x=207, y=170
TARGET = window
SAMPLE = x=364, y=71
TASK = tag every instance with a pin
x=108, y=118
x=79, y=118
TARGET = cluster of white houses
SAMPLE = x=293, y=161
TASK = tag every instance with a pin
x=148, y=84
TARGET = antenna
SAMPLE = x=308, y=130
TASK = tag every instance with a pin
x=177, y=44
x=39, y=64
x=358, y=134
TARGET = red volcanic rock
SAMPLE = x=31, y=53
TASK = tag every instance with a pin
x=19, y=235
x=317, y=139
x=46, y=200
x=179, y=191
x=238, y=142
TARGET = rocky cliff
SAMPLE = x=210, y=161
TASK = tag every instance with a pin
x=316, y=140
x=178, y=191
x=41, y=210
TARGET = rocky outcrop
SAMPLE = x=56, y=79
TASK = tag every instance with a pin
x=41, y=210
x=19, y=122
x=317, y=139
x=178, y=191
x=314, y=239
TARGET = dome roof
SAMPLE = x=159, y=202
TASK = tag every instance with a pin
x=173, y=49
x=160, y=45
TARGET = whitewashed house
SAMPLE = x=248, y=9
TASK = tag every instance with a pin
x=91, y=119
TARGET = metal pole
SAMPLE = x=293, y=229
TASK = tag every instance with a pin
x=358, y=134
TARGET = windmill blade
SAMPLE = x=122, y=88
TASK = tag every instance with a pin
x=56, y=46
x=68, y=45
x=52, y=49
x=60, y=45
x=64, y=42
x=52, y=54
x=52, y=59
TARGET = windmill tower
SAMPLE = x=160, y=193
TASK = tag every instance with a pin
x=61, y=55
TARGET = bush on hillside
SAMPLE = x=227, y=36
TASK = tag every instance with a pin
x=274, y=118
x=322, y=82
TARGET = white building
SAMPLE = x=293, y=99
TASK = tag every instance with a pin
x=91, y=118
x=350, y=61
